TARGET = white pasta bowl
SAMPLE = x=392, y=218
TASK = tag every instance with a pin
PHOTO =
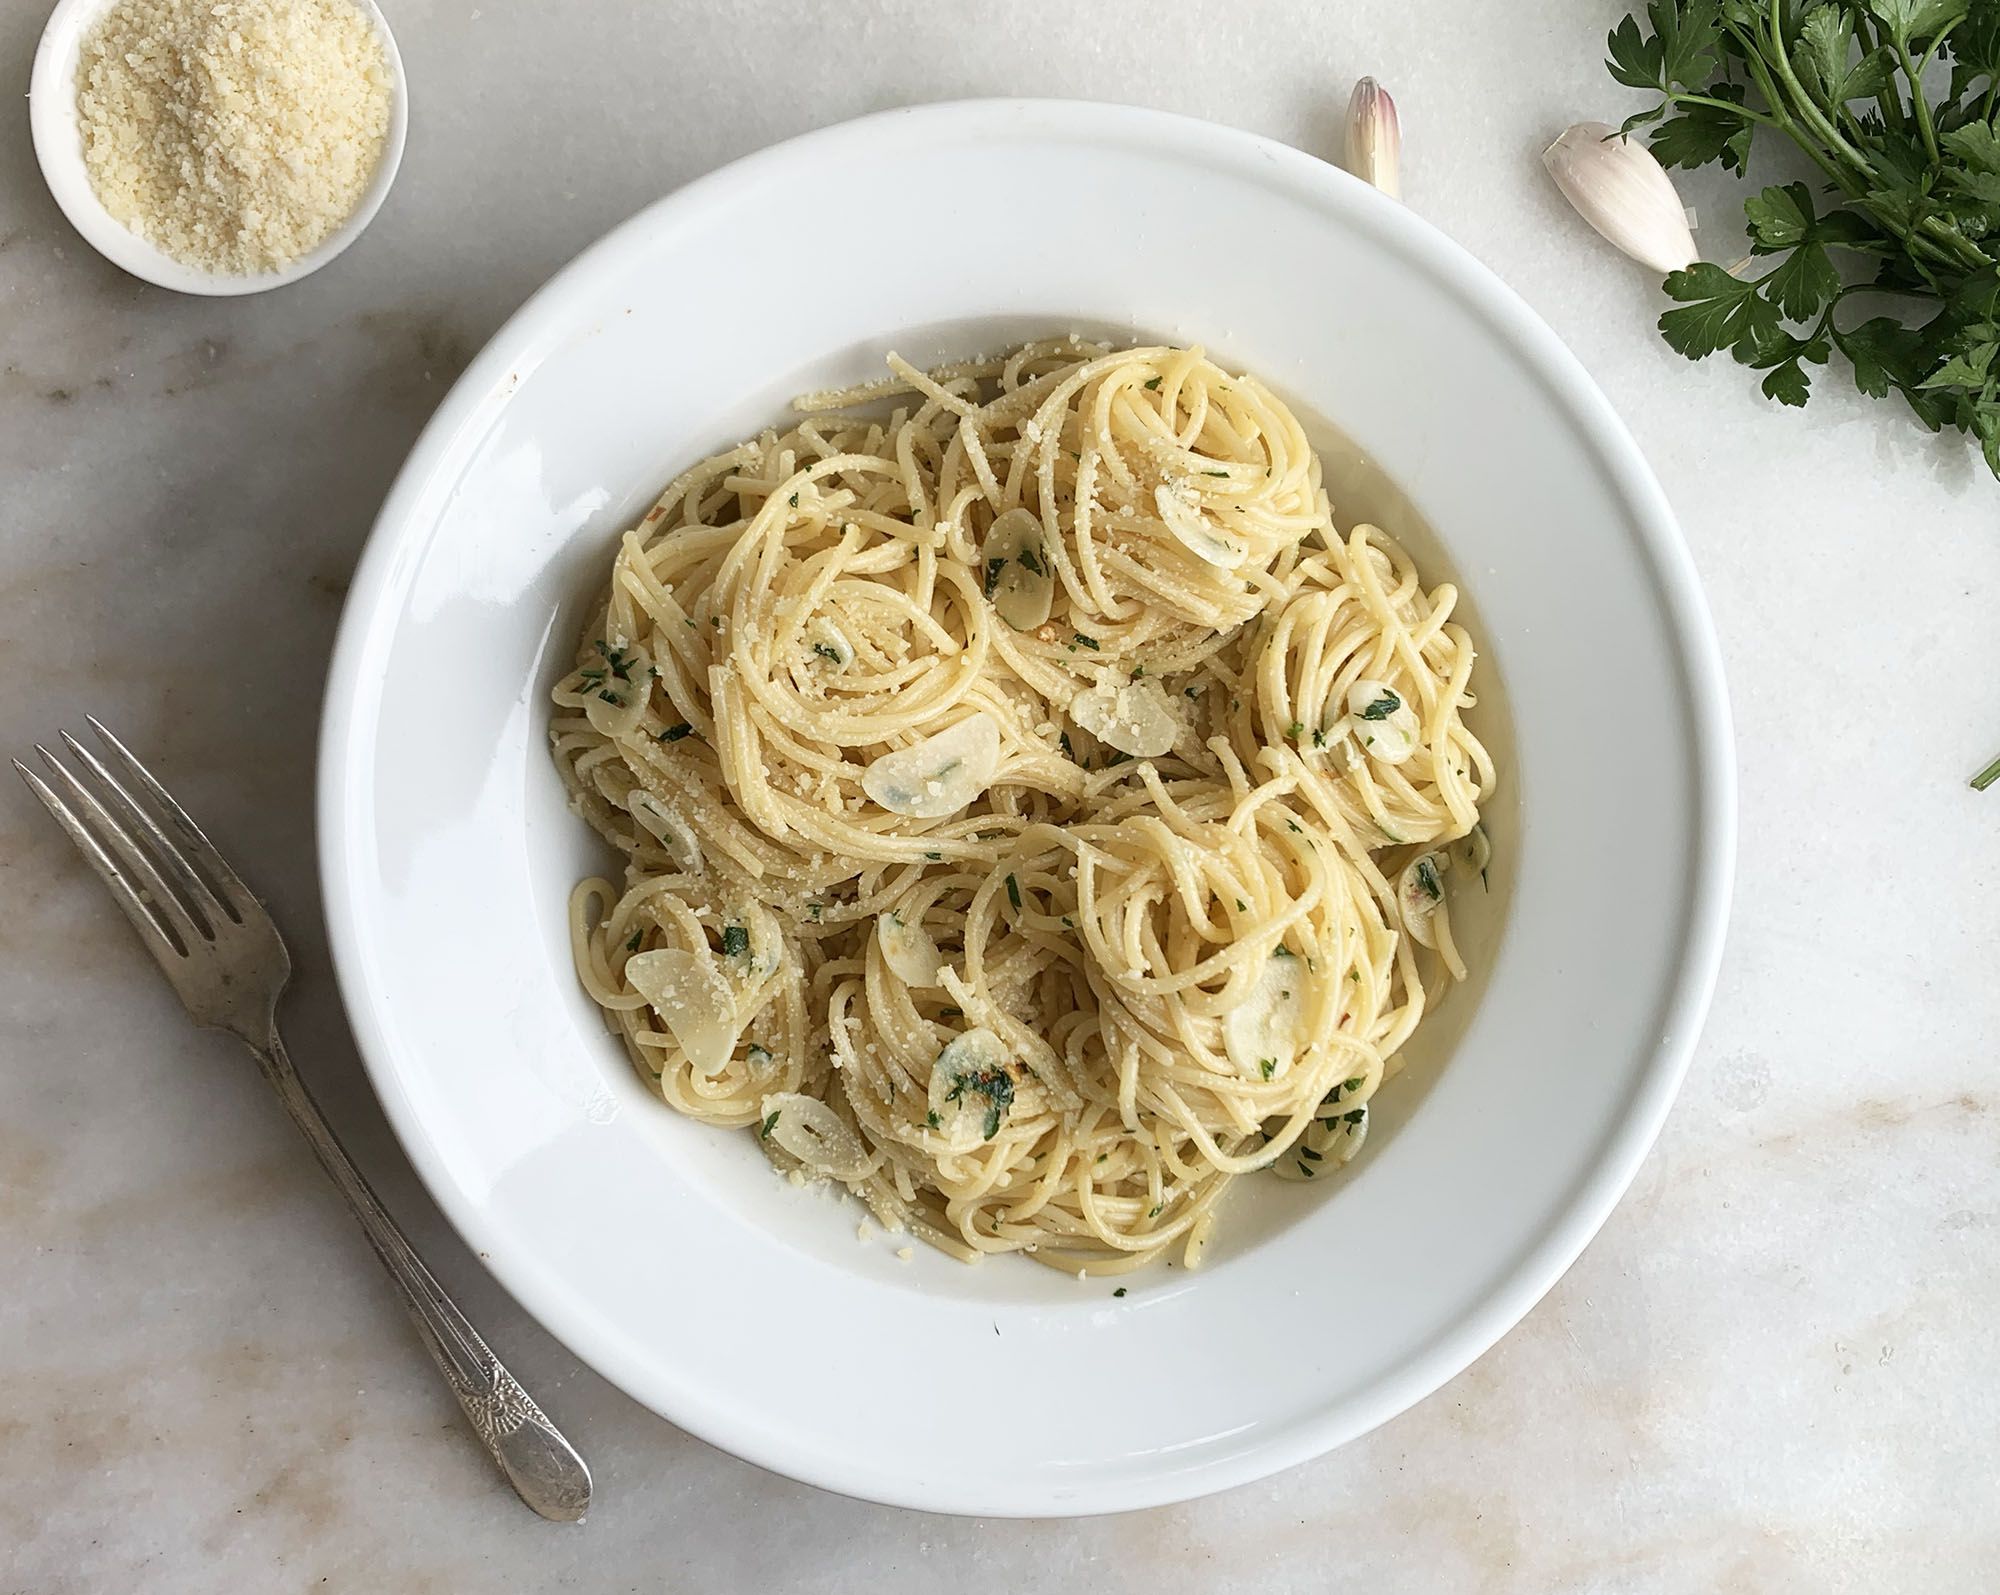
x=669, y=1255
x=58, y=136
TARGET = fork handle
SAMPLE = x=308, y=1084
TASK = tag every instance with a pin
x=543, y=1467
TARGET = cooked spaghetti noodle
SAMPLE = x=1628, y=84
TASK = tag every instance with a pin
x=1035, y=813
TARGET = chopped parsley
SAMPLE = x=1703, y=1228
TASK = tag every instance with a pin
x=1031, y=558
x=931, y=1119
x=769, y=1119
x=1267, y=1067
x=1153, y=385
x=1241, y=906
x=1154, y=1213
x=1087, y=642
x=1427, y=879
x=632, y=942
x=620, y=661
x=735, y=941
x=674, y=733
x=996, y=1085
x=826, y=652
x=1383, y=706
x=1013, y=891
x=1119, y=1291
x=794, y=501
x=1063, y=742
x=1295, y=730
x=993, y=569
x=934, y=857
x=1214, y=473
x=757, y=1054
x=1138, y=671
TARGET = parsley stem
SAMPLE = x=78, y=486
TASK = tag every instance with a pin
x=1748, y=113
x=1919, y=101
x=1986, y=777
x=1806, y=106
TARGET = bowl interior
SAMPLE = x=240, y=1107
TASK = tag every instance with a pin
x=58, y=136
x=669, y=1255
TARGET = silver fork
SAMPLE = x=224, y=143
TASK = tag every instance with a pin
x=219, y=949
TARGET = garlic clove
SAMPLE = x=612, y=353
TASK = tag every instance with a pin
x=1375, y=138
x=1620, y=188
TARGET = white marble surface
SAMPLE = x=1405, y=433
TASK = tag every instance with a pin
x=1774, y=1370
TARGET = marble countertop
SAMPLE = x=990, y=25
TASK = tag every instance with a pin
x=1773, y=1371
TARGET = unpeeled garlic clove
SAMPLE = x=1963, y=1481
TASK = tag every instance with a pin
x=1618, y=186
x=1375, y=138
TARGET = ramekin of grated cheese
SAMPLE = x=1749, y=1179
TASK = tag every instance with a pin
x=218, y=146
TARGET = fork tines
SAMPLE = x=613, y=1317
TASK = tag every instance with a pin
x=165, y=874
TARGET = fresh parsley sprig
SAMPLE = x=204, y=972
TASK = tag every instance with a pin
x=1906, y=219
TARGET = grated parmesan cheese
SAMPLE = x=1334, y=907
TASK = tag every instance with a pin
x=233, y=135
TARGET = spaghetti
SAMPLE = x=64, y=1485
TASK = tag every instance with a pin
x=1035, y=813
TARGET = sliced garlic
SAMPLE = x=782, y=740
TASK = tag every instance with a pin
x=1419, y=890
x=673, y=833
x=941, y=774
x=971, y=1090
x=1181, y=513
x=1134, y=718
x=814, y=1134
x=692, y=999
x=908, y=950
x=616, y=689
x=830, y=643
x=766, y=949
x=1263, y=1034
x=1019, y=577
x=1382, y=724
x=1473, y=850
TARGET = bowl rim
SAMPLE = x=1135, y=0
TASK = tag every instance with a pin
x=516, y=348
x=52, y=121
